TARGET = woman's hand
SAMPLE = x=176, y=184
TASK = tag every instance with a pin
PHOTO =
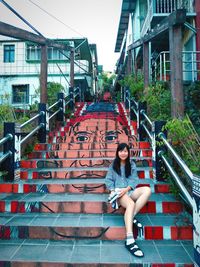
x=123, y=191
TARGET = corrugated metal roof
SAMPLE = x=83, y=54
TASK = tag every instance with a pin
x=128, y=7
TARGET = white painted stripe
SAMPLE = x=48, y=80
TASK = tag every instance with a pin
x=159, y=208
x=166, y=232
x=14, y=234
x=152, y=188
x=30, y=175
x=146, y=174
x=8, y=206
x=20, y=188
x=27, y=206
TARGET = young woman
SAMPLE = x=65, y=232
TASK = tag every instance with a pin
x=122, y=176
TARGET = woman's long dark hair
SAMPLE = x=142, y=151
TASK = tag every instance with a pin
x=117, y=161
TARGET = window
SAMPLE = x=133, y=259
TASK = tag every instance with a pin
x=33, y=52
x=20, y=94
x=9, y=53
x=55, y=54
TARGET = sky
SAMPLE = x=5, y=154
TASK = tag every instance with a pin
x=96, y=20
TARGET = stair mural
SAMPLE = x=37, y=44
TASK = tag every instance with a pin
x=57, y=214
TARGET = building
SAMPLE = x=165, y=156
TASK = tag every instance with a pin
x=21, y=62
x=143, y=21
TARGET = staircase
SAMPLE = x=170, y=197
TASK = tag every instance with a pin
x=57, y=214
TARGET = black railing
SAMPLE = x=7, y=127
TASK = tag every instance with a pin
x=14, y=137
x=154, y=133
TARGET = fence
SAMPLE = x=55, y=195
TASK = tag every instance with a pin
x=160, y=66
x=153, y=132
x=14, y=138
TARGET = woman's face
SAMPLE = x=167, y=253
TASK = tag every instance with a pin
x=123, y=154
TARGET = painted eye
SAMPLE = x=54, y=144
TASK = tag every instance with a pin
x=82, y=138
x=110, y=137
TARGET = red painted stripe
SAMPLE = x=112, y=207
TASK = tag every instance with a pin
x=150, y=207
x=17, y=207
x=9, y=188
x=2, y=206
x=181, y=232
x=153, y=232
x=163, y=265
x=24, y=175
x=5, y=232
x=172, y=207
x=162, y=188
x=29, y=188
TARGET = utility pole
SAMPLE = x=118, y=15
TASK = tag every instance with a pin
x=146, y=63
x=43, y=75
x=72, y=68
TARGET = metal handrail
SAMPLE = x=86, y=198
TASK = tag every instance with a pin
x=55, y=104
x=147, y=131
x=146, y=117
x=56, y=112
x=32, y=133
x=135, y=102
x=178, y=159
x=5, y=156
x=32, y=119
x=181, y=163
x=5, y=139
x=177, y=179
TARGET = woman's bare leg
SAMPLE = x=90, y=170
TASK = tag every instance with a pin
x=140, y=196
x=129, y=205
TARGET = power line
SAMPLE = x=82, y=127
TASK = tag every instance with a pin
x=19, y=16
x=54, y=17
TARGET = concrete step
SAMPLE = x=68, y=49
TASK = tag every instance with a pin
x=74, y=172
x=98, y=226
x=79, y=185
x=60, y=152
x=87, y=146
x=84, y=203
x=93, y=253
x=66, y=162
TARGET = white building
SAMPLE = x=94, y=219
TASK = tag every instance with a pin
x=20, y=69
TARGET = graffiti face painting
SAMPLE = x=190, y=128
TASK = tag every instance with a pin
x=89, y=146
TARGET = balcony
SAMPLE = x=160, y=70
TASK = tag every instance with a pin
x=160, y=67
x=159, y=9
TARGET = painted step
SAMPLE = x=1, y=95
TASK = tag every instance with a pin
x=98, y=226
x=54, y=152
x=74, y=172
x=84, y=203
x=93, y=253
x=67, y=163
x=73, y=185
x=81, y=145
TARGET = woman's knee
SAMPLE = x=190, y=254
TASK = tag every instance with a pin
x=131, y=204
x=147, y=191
x=127, y=202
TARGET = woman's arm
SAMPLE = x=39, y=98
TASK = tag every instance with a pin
x=109, y=181
x=133, y=179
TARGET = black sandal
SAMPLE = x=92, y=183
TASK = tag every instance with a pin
x=133, y=249
x=137, y=223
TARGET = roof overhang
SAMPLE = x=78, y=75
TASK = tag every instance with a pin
x=128, y=6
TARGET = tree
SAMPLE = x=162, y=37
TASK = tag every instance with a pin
x=53, y=89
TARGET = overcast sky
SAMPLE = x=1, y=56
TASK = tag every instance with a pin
x=96, y=20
